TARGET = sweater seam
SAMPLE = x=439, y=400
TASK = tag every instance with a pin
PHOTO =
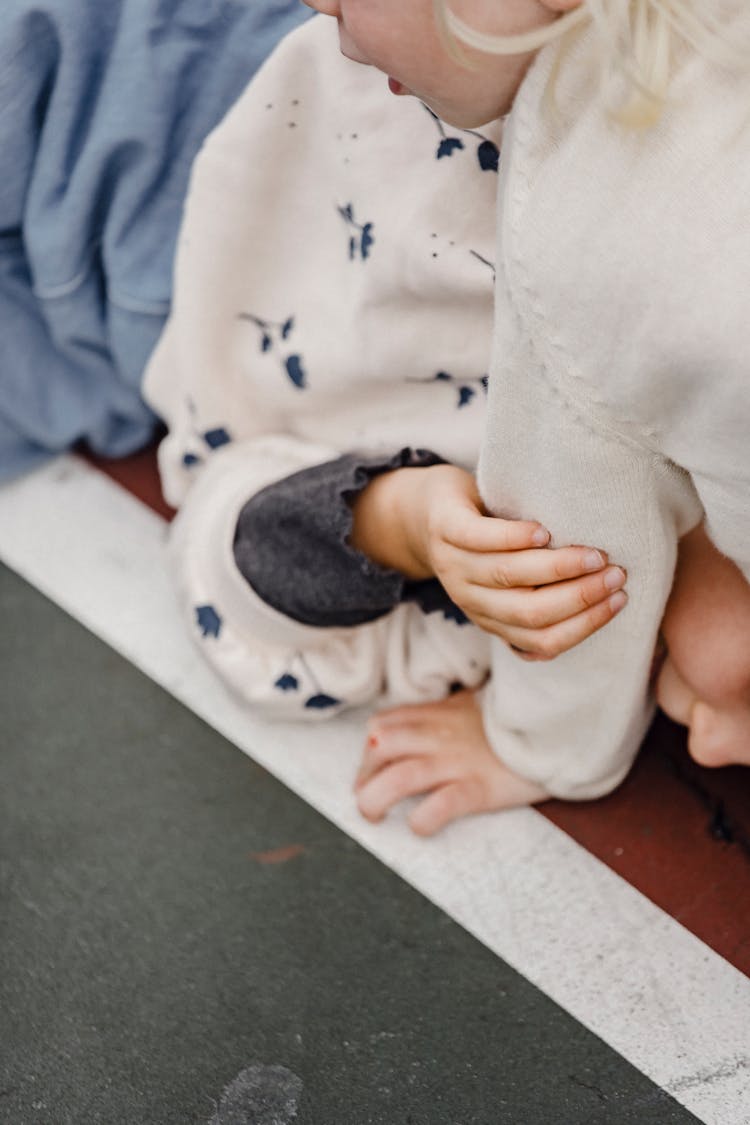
x=604, y=425
x=572, y=385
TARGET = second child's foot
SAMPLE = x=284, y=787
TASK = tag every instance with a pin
x=716, y=736
x=720, y=738
x=673, y=695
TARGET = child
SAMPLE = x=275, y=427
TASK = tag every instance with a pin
x=596, y=473
x=332, y=317
x=619, y=403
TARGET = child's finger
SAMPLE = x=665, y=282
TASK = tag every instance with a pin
x=510, y=569
x=544, y=606
x=478, y=792
x=468, y=529
x=394, y=783
x=411, y=715
x=556, y=639
x=404, y=732
x=380, y=751
x=445, y=804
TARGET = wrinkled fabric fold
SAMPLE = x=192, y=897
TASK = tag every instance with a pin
x=103, y=107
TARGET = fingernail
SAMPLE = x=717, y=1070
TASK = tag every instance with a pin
x=541, y=537
x=592, y=560
x=614, y=578
x=617, y=601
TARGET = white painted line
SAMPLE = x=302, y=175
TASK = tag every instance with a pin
x=616, y=962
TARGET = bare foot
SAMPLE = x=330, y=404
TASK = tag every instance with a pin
x=720, y=738
x=673, y=695
x=717, y=736
x=439, y=750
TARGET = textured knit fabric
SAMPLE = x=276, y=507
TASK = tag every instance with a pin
x=620, y=387
x=333, y=295
x=306, y=520
x=103, y=105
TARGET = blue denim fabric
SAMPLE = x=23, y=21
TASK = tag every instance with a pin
x=103, y=106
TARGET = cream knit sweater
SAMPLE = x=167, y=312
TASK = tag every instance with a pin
x=619, y=405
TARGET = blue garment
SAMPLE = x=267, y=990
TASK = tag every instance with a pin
x=103, y=106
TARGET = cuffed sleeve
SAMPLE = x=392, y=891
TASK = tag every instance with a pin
x=292, y=546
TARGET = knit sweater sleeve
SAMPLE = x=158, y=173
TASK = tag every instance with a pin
x=619, y=407
x=574, y=724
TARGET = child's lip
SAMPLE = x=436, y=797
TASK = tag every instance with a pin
x=396, y=87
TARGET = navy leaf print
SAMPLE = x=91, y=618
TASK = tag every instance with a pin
x=321, y=701
x=466, y=391
x=489, y=156
x=453, y=613
x=295, y=371
x=214, y=439
x=190, y=459
x=271, y=334
x=484, y=261
x=287, y=682
x=488, y=153
x=448, y=145
x=485, y=381
x=367, y=240
x=361, y=237
x=208, y=620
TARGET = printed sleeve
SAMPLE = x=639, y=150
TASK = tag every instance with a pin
x=291, y=545
x=282, y=666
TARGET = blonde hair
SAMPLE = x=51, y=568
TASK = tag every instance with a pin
x=638, y=39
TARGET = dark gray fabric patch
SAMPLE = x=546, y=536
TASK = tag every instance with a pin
x=291, y=544
x=260, y=1095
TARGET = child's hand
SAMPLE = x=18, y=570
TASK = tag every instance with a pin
x=438, y=750
x=429, y=522
x=541, y=601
